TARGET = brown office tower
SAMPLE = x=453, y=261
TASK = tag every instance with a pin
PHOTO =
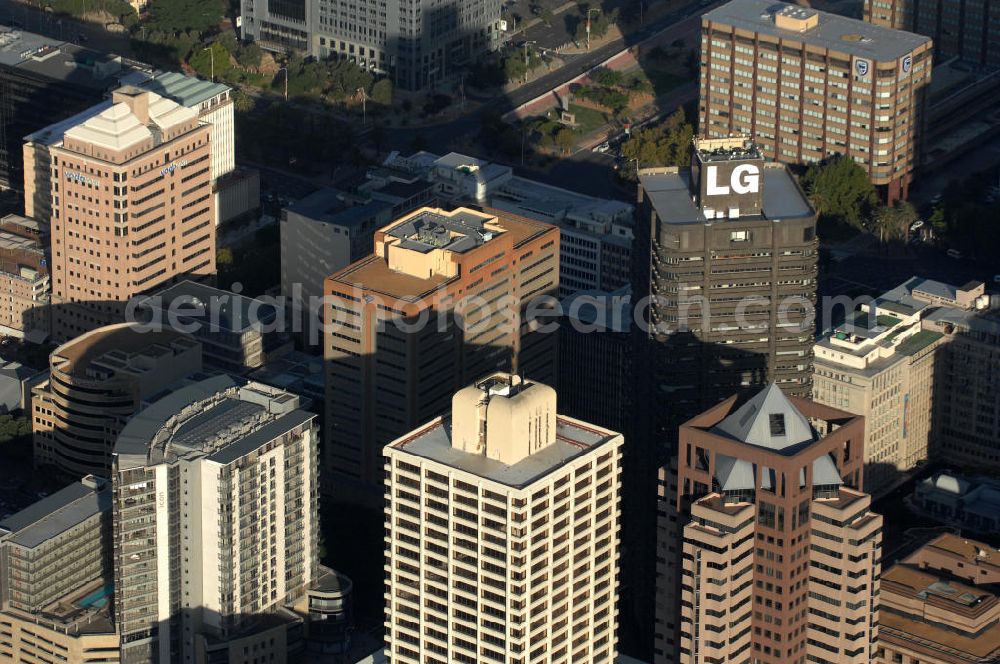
x=731, y=271
x=779, y=557
x=132, y=207
x=439, y=304
x=807, y=85
x=968, y=29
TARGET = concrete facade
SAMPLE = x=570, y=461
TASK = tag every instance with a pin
x=55, y=570
x=132, y=207
x=230, y=468
x=416, y=46
x=25, y=286
x=96, y=382
x=807, y=84
x=967, y=29
x=524, y=566
x=440, y=303
x=596, y=233
x=881, y=364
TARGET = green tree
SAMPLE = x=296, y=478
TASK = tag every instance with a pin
x=242, y=102
x=667, y=144
x=840, y=191
x=215, y=55
x=382, y=92
x=565, y=139
x=893, y=223
x=607, y=78
x=224, y=258
x=546, y=15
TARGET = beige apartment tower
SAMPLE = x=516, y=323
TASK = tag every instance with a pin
x=807, y=84
x=502, y=533
x=215, y=522
x=439, y=304
x=779, y=552
x=880, y=363
x=131, y=206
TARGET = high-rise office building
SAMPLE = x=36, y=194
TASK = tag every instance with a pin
x=416, y=45
x=55, y=576
x=131, y=207
x=807, y=84
x=96, y=382
x=42, y=80
x=502, y=535
x=941, y=605
x=443, y=301
x=967, y=29
x=729, y=262
x=880, y=364
x=779, y=552
x=25, y=287
x=215, y=522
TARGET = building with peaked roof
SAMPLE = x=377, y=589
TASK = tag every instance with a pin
x=96, y=382
x=775, y=532
x=441, y=302
x=940, y=605
x=233, y=466
x=134, y=209
x=525, y=566
x=56, y=578
x=808, y=84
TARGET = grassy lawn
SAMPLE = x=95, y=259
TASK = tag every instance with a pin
x=588, y=119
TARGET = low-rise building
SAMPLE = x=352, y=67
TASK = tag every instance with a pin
x=25, y=285
x=971, y=503
x=55, y=572
x=237, y=333
x=936, y=607
x=96, y=382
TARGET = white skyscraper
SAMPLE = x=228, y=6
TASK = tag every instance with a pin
x=502, y=533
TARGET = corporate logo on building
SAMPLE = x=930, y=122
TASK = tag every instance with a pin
x=907, y=64
x=744, y=179
x=173, y=167
x=74, y=176
x=861, y=66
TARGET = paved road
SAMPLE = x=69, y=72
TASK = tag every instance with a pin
x=446, y=133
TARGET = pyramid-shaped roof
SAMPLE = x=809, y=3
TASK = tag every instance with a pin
x=768, y=420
